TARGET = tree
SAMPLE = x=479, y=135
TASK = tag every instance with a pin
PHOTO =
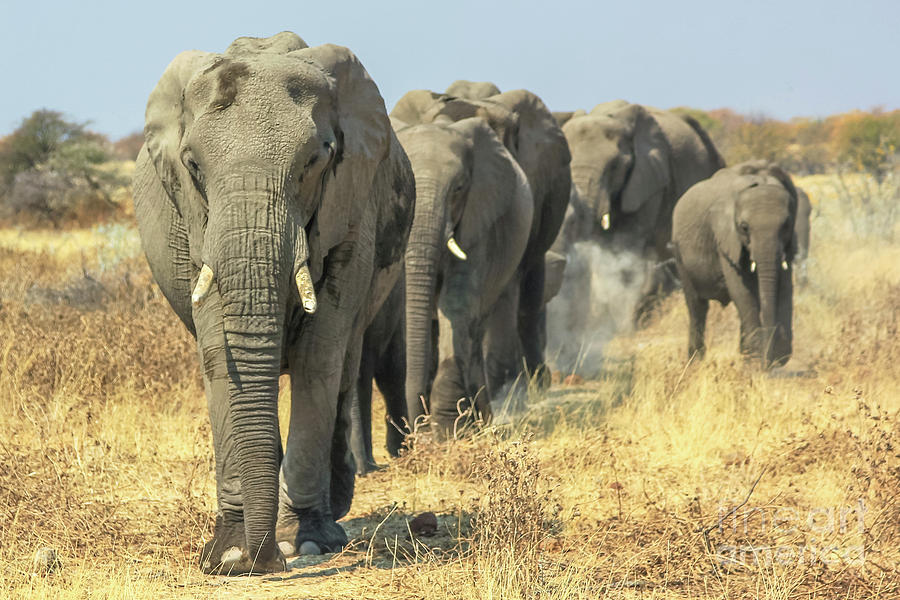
x=127, y=148
x=52, y=169
x=868, y=142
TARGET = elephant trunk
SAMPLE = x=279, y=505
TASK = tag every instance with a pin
x=773, y=287
x=250, y=244
x=423, y=254
x=588, y=182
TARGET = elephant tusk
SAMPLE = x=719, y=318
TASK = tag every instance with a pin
x=306, y=289
x=784, y=265
x=604, y=221
x=204, y=282
x=456, y=250
x=753, y=266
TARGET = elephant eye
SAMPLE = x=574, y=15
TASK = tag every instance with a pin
x=745, y=228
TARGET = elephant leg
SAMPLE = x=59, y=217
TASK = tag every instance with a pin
x=343, y=469
x=317, y=471
x=746, y=300
x=361, y=413
x=305, y=512
x=502, y=351
x=697, y=309
x=476, y=377
x=532, y=332
x=390, y=374
x=450, y=391
x=653, y=290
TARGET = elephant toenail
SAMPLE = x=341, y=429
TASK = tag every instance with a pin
x=309, y=547
x=286, y=548
x=233, y=554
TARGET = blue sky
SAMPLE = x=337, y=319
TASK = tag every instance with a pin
x=98, y=61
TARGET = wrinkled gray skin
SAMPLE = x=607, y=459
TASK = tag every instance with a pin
x=801, y=230
x=259, y=162
x=529, y=131
x=630, y=164
x=384, y=361
x=733, y=239
x=470, y=187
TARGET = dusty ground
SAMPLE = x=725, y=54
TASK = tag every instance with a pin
x=658, y=479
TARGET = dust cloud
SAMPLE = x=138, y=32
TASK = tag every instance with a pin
x=599, y=292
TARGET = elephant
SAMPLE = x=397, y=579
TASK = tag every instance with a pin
x=630, y=164
x=472, y=90
x=274, y=203
x=528, y=130
x=733, y=239
x=470, y=231
x=801, y=231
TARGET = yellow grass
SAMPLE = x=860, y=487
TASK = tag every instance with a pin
x=627, y=486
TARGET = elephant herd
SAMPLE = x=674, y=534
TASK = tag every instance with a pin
x=296, y=227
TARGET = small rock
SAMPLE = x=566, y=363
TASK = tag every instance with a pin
x=425, y=524
x=573, y=380
x=46, y=561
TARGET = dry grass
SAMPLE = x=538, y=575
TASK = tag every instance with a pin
x=659, y=479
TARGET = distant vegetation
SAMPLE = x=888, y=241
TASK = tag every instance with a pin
x=55, y=172
x=855, y=141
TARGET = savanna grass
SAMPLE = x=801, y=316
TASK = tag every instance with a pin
x=660, y=478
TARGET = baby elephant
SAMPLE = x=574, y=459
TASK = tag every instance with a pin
x=733, y=239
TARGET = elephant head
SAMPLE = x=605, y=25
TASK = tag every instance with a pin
x=758, y=238
x=620, y=161
x=474, y=90
x=462, y=172
x=268, y=153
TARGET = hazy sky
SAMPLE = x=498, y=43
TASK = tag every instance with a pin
x=98, y=61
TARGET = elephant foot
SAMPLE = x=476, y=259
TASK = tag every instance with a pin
x=542, y=377
x=395, y=441
x=369, y=466
x=227, y=554
x=308, y=531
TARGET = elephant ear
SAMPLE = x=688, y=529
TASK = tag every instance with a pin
x=164, y=124
x=651, y=171
x=726, y=189
x=496, y=181
x=280, y=43
x=542, y=152
x=363, y=135
x=474, y=90
x=411, y=107
x=500, y=118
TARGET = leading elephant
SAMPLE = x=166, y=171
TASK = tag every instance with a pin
x=528, y=130
x=733, y=239
x=274, y=203
x=630, y=164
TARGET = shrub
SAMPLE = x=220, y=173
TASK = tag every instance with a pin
x=54, y=171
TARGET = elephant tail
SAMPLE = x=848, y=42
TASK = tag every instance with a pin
x=715, y=158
